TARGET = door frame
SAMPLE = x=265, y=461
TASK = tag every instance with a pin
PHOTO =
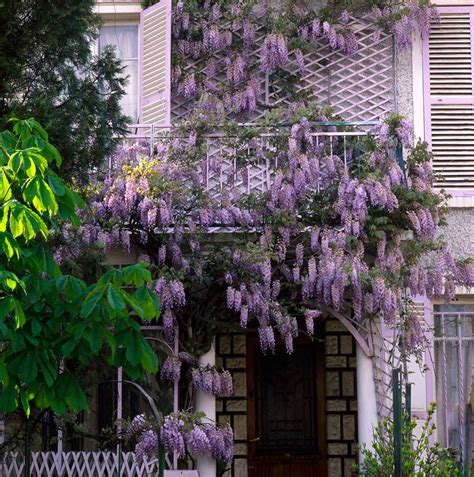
x=320, y=394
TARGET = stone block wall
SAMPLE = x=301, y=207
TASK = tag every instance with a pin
x=231, y=355
x=341, y=400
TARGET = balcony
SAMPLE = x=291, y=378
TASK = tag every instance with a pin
x=246, y=162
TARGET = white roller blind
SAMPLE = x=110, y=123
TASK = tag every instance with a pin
x=125, y=40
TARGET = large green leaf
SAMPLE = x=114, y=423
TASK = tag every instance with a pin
x=18, y=342
x=134, y=348
x=48, y=368
x=52, y=154
x=5, y=187
x=25, y=402
x=19, y=314
x=137, y=274
x=4, y=378
x=68, y=347
x=9, y=246
x=56, y=185
x=6, y=306
x=94, y=337
x=38, y=193
x=29, y=368
x=26, y=222
x=149, y=302
x=8, y=398
x=70, y=390
x=4, y=214
x=134, y=305
x=91, y=300
x=149, y=359
x=115, y=298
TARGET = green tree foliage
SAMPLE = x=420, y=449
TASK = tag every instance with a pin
x=53, y=325
x=48, y=70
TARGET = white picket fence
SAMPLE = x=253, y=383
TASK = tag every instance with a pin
x=77, y=464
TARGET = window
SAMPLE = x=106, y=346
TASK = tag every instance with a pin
x=125, y=40
x=454, y=353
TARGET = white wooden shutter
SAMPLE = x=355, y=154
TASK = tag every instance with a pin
x=449, y=96
x=155, y=64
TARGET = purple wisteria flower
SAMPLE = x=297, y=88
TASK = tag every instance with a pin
x=171, y=436
x=211, y=381
x=197, y=442
x=171, y=369
x=299, y=57
x=274, y=53
x=147, y=446
x=137, y=425
x=220, y=442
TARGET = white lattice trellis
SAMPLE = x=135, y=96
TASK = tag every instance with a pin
x=359, y=87
x=77, y=464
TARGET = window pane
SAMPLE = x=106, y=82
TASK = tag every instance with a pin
x=129, y=101
x=123, y=37
x=125, y=40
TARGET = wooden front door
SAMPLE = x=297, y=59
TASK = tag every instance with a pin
x=286, y=412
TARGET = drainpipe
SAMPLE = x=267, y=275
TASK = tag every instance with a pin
x=207, y=404
x=366, y=400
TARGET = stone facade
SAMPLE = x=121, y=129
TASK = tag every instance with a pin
x=341, y=401
x=231, y=355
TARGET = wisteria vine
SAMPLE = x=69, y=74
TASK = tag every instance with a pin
x=344, y=227
x=225, y=52
x=352, y=234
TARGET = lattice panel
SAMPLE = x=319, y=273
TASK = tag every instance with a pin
x=223, y=174
x=383, y=364
x=358, y=87
x=77, y=464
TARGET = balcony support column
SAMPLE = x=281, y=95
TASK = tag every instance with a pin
x=207, y=404
x=366, y=399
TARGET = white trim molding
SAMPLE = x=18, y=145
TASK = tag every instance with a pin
x=418, y=83
x=120, y=11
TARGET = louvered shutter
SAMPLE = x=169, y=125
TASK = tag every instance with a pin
x=155, y=64
x=449, y=96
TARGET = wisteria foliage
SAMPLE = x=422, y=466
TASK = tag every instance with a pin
x=357, y=236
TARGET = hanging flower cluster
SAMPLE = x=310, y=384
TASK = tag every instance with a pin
x=197, y=439
x=147, y=439
x=211, y=381
x=183, y=434
x=207, y=379
x=171, y=369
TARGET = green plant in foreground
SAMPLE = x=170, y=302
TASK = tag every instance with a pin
x=420, y=458
x=52, y=325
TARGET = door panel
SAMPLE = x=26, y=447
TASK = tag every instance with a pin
x=286, y=412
